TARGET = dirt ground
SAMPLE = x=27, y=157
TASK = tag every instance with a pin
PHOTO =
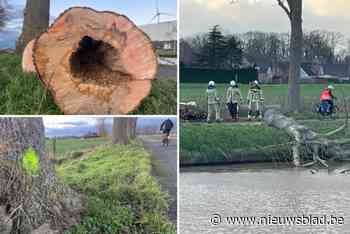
x=164, y=161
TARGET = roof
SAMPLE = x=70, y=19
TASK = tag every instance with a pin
x=164, y=31
x=341, y=70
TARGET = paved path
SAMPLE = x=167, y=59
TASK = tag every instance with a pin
x=164, y=161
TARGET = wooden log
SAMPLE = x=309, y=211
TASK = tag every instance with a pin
x=95, y=62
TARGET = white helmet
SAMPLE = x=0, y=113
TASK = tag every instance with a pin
x=330, y=87
x=256, y=82
x=233, y=83
x=211, y=83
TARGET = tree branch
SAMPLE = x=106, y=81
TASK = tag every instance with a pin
x=284, y=7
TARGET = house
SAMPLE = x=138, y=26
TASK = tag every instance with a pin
x=163, y=35
x=309, y=72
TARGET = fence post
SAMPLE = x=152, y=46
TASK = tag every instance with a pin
x=54, y=147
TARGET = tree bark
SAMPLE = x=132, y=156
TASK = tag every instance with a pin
x=296, y=45
x=120, y=131
x=132, y=123
x=36, y=21
x=31, y=200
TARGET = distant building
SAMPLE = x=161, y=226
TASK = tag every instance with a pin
x=309, y=72
x=163, y=35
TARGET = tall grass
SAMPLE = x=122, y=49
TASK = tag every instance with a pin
x=122, y=196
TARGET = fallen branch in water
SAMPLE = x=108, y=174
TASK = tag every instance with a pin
x=316, y=144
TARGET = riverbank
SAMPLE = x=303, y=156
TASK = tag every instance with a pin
x=24, y=94
x=225, y=143
x=121, y=195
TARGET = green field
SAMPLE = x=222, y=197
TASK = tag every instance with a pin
x=274, y=94
x=23, y=94
x=225, y=143
x=121, y=195
x=65, y=147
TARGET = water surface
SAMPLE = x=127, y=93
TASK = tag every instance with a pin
x=262, y=190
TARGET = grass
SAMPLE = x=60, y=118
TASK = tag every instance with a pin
x=24, y=94
x=274, y=94
x=121, y=194
x=65, y=147
x=221, y=142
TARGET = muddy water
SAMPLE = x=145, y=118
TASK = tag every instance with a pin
x=262, y=190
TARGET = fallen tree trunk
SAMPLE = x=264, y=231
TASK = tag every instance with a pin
x=94, y=62
x=307, y=141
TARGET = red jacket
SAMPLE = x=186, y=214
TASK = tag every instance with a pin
x=326, y=95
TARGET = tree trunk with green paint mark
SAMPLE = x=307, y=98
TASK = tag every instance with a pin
x=31, y=201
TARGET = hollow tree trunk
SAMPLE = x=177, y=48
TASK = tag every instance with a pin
x=36, y=21
x=94, y=62
x=29, y=192
x=120, y=131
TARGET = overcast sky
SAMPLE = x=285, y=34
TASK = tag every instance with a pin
x=265, y=15
x=140, y=11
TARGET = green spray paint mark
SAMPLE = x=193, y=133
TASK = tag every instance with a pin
x=30, y=162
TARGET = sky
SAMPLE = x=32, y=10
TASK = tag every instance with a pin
x=262, y=15
x=140, y=11
x=78, y=126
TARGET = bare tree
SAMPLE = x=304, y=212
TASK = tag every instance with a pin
x=30, y=194
x=120, y=131
x=294, y=10
x=3, y=15
x=101, y=127
x=132, y=124
x=36, y=21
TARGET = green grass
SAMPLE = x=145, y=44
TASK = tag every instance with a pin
x=222, y=142
x=274, y=94
x=162, y=100
x=121, y=194
x=64, y=147
x=23, y=94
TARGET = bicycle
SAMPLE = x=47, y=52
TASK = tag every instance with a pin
x=316, y=108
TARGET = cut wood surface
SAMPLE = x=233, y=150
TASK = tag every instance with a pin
x=95, y=62
x=27, y=58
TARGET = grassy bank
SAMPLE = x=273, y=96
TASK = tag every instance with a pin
x=23, y=94
x=121, y=194
x=234, y=143
x=274, y=94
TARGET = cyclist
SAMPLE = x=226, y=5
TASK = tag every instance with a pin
x=327, y=103
x=166, y=127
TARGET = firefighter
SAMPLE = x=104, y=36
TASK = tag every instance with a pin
x=213, y=102
x=327, y=103
x=233, y=99
x=255, y=100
